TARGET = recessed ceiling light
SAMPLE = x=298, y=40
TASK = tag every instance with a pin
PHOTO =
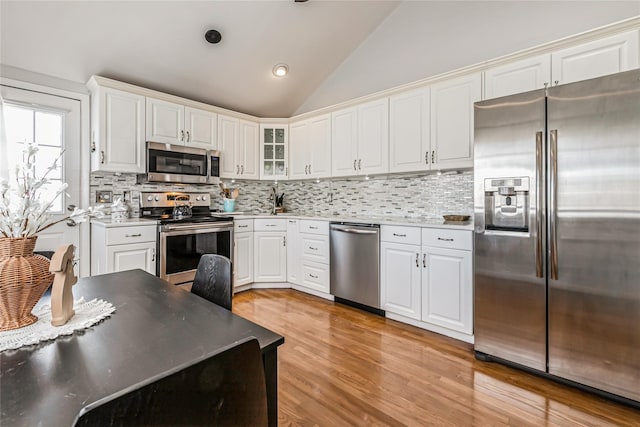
x=280, y=70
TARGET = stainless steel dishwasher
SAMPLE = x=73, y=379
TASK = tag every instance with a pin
x=355, y=265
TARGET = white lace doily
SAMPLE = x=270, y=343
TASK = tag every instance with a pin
x=87, y=313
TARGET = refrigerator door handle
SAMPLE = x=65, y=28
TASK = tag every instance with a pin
x=553, y=204
x=539, y=202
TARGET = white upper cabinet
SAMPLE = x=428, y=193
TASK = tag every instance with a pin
x=409, y=136
x=516, y=77
x=597, y=58
x=274, y=151
x=344, y=142
x=452, y=121
x=310, y=148
x=171, y=123
x=360, y=139
x=201, y=128
x=238, y=140
x=117, y=130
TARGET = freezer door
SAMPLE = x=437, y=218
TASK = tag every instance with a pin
x=594, y=219
x=509, y=286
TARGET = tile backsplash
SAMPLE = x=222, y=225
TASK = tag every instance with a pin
x=426, y=195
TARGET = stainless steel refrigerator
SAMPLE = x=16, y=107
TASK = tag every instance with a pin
x=557, y=232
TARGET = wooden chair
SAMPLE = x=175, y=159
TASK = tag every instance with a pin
x=213, y=280
x=227, y=389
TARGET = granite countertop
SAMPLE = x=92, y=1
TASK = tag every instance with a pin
x=129, y=222
x=382, y=220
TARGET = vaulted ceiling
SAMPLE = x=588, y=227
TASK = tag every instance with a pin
x=161, y=45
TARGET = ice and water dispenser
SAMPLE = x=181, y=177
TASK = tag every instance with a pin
x=506, y=204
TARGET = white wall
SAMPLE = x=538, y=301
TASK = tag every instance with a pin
x=425, y=38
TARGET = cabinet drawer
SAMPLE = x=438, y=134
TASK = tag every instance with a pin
x=124, y=235
x=315, y=276
x=315, y=248
x=268, y=224
x=398, y=234
x=446, y=238
x=242, y=225
x=314, y=227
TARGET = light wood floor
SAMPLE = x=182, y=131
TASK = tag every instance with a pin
x=340, y=366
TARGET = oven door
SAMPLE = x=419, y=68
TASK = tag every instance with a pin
x=181, y=247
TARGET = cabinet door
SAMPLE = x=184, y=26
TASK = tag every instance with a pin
x=516, y=77
x=597, y=58
x=270, y=261
x=201, y=128
x=165, y=122
x=447, y=291
x=243, y=259
x=274, y=151
x=344, y=142
x=373, y=137
x=247, y=152
x=400, y=272
x=452, y=121
x=298, y=150
x=293, y=252
x=118, y=131
x=129, y=257
x=319, y=146
x=228, y=130
x=409, y=148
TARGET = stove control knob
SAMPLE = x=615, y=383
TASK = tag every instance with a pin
x=157, y=198
x=204, y=198
x=197, y=198
x=149, y=198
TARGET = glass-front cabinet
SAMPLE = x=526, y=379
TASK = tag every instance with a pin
x=274, y=151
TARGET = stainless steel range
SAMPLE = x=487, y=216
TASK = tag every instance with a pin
x=186, y=231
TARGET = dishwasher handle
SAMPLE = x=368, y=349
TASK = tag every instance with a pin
x=355, y=231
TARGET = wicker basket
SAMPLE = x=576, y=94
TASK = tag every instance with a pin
x=24, y=277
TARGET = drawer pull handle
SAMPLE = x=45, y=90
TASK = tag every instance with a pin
x=133, y=235
x=312, y=227
x=312, y=276
x=291, y=222
x=243, y=226
x=445, y=240
x=399, y=235
x=270, y=225
x=312, y=248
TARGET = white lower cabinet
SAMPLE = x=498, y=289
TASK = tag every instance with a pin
x=243, y=253
x=400, y=278
x=447, y=292
x=270, y=250
x=120, y=247
x=430, y=286
x=312, y=257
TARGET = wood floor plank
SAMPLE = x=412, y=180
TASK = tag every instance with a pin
x=340, y=366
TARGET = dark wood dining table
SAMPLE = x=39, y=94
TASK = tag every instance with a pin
x=156, y=329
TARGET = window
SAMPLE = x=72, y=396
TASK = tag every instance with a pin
x=44, y=127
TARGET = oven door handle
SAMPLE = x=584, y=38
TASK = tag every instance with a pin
x=209, y=226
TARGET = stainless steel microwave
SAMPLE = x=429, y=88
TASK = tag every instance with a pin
x=177, y=164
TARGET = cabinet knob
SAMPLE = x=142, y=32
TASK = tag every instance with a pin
x=188, y=136
x=153, y=254
x=424, y=260
x=354, y=164
x=359, y=164
x=181, y=135
x=102, y=157
x=426, y=158
x=433, y=156
x=284, y=240
x=237, y=169
x=241, y=169
x=417, y=260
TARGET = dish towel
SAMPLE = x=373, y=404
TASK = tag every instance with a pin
x=87, y=314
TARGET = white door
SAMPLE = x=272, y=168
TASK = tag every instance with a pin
x=344, y=142
x=400, y=279
x=373, y=137
x=248, y=150
x=516, y=77
x=270, y=261
x=201, y=128
x=228, y=130
x=54, y=123
x=409, y=148
x=132, y=256
x=320, y=146
x=447, y=294
x=165, y=122
x=243, y=259
x=298, y=150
